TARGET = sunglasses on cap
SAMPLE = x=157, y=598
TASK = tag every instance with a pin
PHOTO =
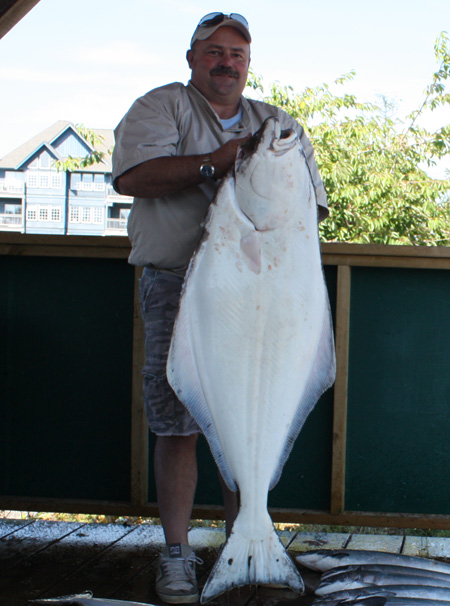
x=212, y=19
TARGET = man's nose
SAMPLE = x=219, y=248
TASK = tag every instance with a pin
x=225, y=59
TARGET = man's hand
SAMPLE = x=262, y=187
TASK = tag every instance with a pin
x=170, y=174
x=224, y=157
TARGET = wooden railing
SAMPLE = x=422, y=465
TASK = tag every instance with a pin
x=381, y=433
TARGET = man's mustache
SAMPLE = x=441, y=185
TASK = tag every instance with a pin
x=224, y=71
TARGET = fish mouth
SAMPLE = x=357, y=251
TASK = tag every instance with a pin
x=284, y=140
x=270, y=136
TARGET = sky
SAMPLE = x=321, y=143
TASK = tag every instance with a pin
x=87, y=61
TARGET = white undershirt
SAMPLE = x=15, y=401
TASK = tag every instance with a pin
x=232, y=121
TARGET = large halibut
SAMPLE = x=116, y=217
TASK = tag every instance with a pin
x=252, y=348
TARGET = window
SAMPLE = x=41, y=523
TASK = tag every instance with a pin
x=98, y=215
x=89, y=182
x=31, y=213
x=43, y=212
x=74, y=214
x=13, y=209
x=44, y=179
x=85, y=214
x=56, y=181
x=44, y=160
x=32, y=179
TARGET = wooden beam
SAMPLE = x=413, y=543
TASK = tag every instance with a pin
x=339, y=443
x=333, y=253
x=16, y=11
x=383, y=250
x=211, y=512
x=108, y=247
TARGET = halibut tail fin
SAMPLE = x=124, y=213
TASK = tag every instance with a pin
x=246, y=561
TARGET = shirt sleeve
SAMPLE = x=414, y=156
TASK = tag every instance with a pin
x=148, y=130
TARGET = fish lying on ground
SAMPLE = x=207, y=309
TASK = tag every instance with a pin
x=252, y=348
x=388, y=569
x=84, y=599
x=393, y=591
x=326, y=559
x=364, y=578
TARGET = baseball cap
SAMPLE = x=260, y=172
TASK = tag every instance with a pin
x=212, y=21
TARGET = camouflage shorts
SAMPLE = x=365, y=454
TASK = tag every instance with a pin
x=159, y=294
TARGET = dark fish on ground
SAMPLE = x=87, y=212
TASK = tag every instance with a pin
x=252, y=348
x=325, y=559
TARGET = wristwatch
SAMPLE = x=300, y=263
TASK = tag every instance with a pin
x=207, y=169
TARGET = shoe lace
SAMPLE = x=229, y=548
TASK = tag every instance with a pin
x=178, y=568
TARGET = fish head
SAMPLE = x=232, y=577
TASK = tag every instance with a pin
x=271, y=176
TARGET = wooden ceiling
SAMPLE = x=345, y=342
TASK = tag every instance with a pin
x=12, y=11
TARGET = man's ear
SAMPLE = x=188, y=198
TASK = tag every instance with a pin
x=189, y=57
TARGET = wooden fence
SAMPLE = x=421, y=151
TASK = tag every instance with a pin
x=73, y=435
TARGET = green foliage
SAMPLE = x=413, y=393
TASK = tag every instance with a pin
x=374, y=167
x=93, y=157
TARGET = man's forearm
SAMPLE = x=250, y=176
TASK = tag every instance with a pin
x=170, y=174
x=161, y=176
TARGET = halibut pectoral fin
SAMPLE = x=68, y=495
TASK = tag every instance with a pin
x=252, y=562
x=321, y=378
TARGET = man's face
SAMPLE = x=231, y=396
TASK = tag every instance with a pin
x=220, y=65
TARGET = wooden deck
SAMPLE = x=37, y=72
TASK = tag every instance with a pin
x=42, y=559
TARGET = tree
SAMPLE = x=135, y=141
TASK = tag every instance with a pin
x=374, y=167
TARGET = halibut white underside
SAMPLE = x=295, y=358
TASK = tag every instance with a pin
x=252, y=349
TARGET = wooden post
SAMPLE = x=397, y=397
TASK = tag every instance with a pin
x=340, y=390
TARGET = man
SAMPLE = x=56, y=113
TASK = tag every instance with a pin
x=172, y=148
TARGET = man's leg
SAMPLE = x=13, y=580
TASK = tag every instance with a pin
x=176, y=431
x=231, y=505
x=176, y=480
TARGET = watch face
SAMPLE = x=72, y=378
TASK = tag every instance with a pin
x=207, y=171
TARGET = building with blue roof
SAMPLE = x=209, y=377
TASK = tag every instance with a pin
x=44, y=191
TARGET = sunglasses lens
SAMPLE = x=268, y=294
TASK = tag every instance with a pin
x=240, y=18
x=212, y=19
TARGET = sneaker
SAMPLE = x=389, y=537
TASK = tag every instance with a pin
x=176, y=582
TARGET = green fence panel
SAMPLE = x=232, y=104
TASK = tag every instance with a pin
x=65, y=364
x=398, y=447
